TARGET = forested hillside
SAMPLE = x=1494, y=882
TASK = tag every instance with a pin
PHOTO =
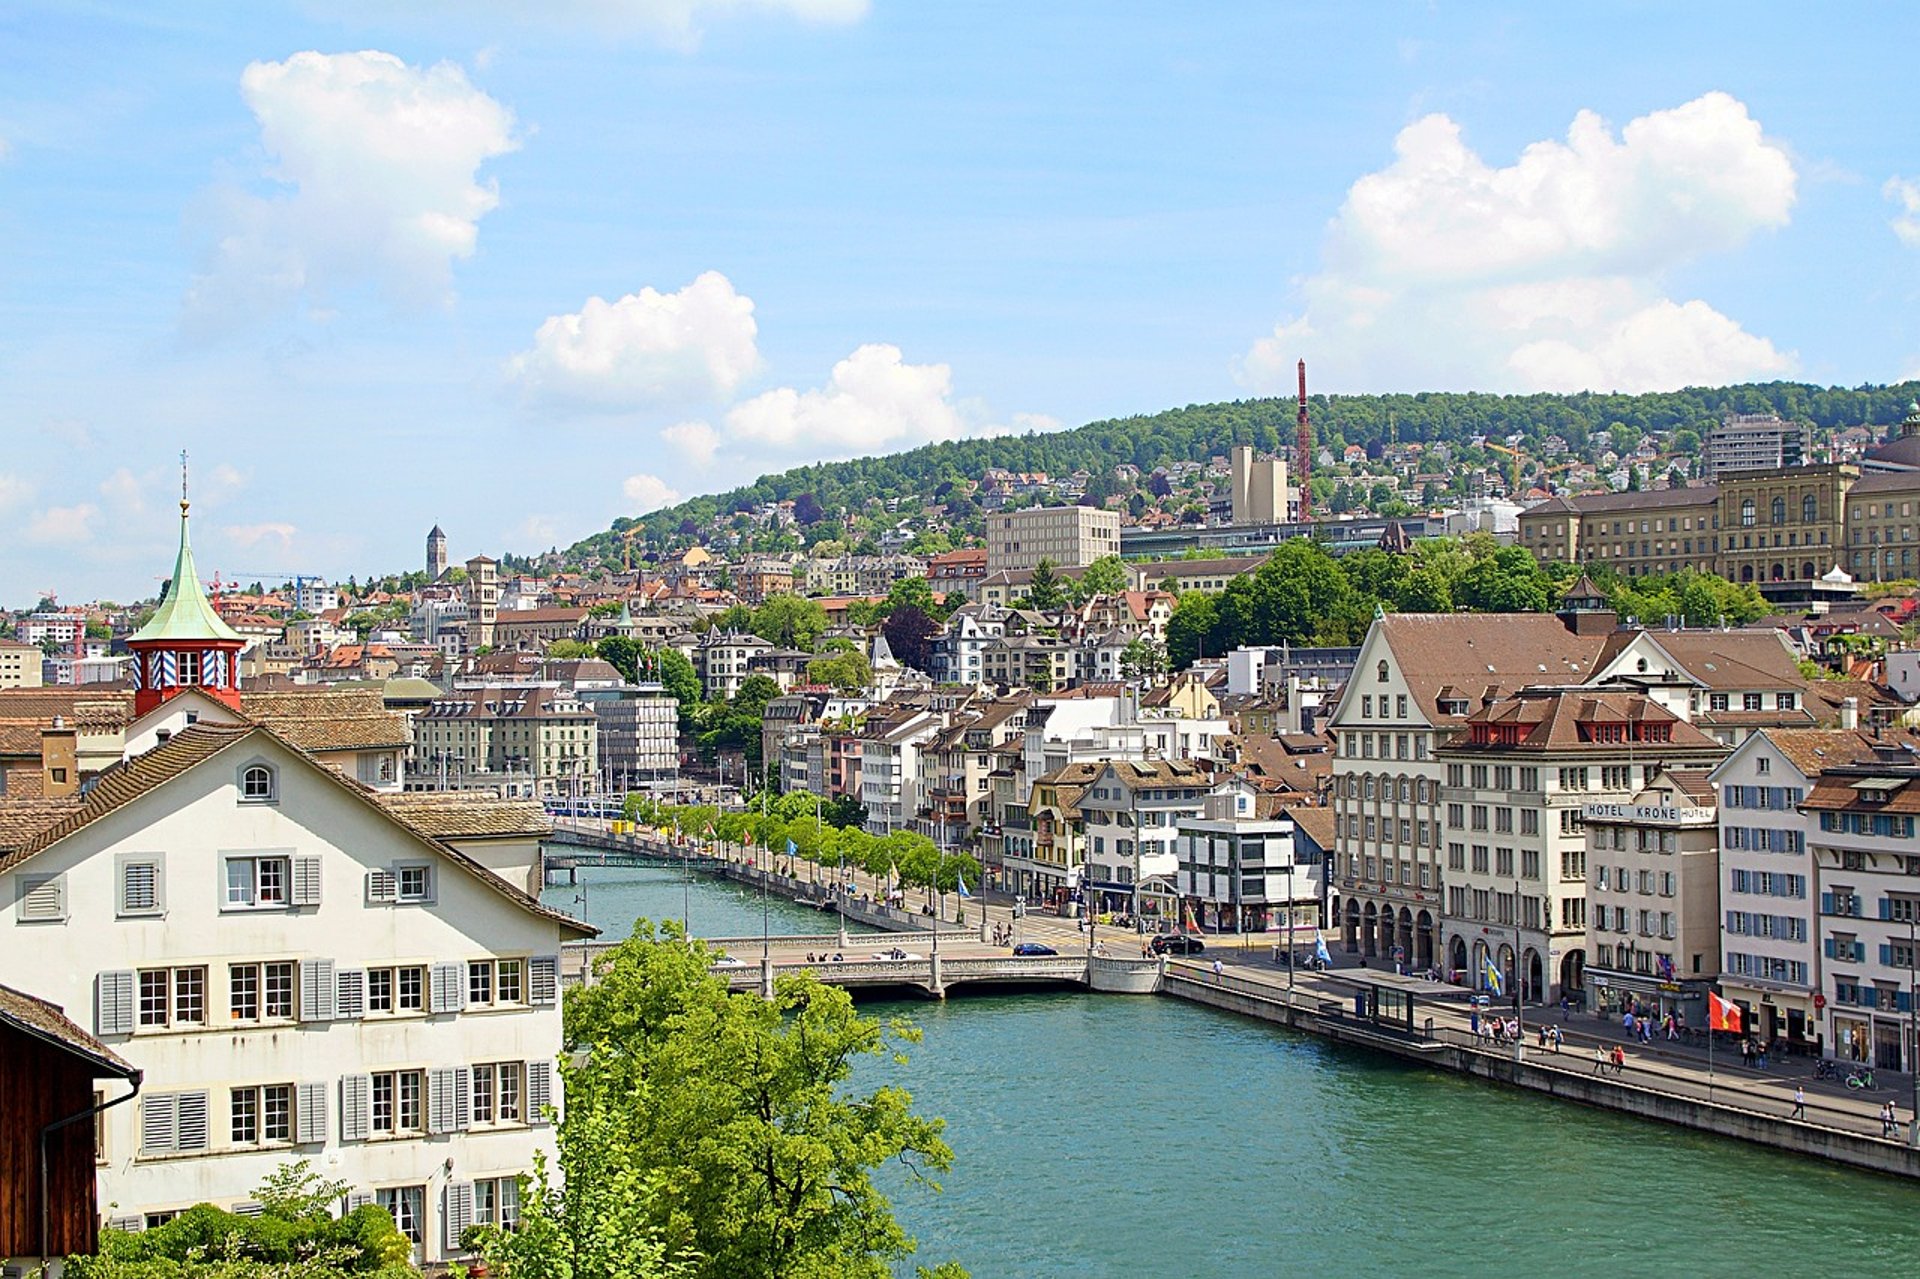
x=1198, y=431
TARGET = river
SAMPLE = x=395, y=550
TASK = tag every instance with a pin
x=1109, y=1137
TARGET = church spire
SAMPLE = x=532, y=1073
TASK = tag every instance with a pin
x=184, y=613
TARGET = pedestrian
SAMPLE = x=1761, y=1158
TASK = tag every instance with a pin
x=1799, y=1103
x=1619, y=1059
x=1889, y=1121
x=1543, y=1034
x=1760, y=1055
x=1746, y=1052
x=1599, y=1060
x=1219, y=970
x=1557, y=1037
x=1564, y=1006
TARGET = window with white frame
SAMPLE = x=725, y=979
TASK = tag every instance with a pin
x=172, y=997
x=495, y=982
x=397, y=1102
x=261, y=1115
x=499, y=1089
x=258, y=784
x=397, y=990
x=407, y=1206
x=414, y=882
x=496, y=1202
x=258, y=881
x=260, y=992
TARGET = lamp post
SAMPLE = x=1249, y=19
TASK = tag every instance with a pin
x=1292, y=958
x=1913, y=1014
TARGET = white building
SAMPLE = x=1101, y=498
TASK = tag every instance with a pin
x=1241, y=871
x=1131, y=814
x=300, y=974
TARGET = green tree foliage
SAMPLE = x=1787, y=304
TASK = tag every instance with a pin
x=566, y=648
x=1105, y=576
x=1507, y=581
x=621, y=653
x=789, y=621
x=1044, y=591
x=721, y=1133
x=848, y=671
x=296, y=1236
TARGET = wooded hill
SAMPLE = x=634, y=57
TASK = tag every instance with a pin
x=1197, y=432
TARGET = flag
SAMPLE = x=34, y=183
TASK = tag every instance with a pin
x=1491, y=974
x=1723, y=1014
x=792, y=848
x=962, y=881
x=1665, y=965
x=1320, y=949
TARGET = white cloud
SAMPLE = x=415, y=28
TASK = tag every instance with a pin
x=1906, y=193
x=252, y=535
x=648, y=493
x=873, y=401
x=14, y=491
x=1441, y=270
x=62, y=525
x=696, y=441
x=124, y=491
x=645, y=350
x=378, y=164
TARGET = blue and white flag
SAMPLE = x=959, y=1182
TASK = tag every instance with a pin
x=792, y=848
x=1320, y=950
x=962, y=880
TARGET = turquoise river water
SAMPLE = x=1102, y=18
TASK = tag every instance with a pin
x=1102, y=1136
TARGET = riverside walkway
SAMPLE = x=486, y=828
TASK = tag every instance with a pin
x=1667, y=1081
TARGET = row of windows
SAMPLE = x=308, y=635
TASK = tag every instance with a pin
x=1647, y=883
x=1500, y=776
x=1741, y=923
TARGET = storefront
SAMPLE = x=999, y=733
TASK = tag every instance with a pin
x=1616, y=993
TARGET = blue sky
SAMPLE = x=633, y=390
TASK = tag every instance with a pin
x=380, y=266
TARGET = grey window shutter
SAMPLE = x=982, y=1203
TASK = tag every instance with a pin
x=159, y=1121
x=133, y=1223
x=250, y=1208
x=113, y=1002
x=43, y=898
x=449, y=988
x=350, y=989
x=462, y=1098
x=193, y=1121
x=318, y=992
x=310, y=1113
x=381, y=886
x=440, y=1100
x=306, y=881
x=358, y=1199
x=543, y=979
x=356, y=1112
x=539, y=1090
x=459, y=1212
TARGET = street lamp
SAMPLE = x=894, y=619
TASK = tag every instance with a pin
x=1913, y=1014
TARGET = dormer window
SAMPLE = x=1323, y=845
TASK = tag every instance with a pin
x=1380, y=672
x=257, y=784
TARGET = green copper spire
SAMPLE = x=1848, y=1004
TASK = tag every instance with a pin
x=184, y=613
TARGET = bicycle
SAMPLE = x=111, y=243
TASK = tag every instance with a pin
x=1824, y=1069
x=1859, y=1079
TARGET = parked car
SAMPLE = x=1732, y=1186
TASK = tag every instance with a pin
x=1178, y=944
x=1034, y=948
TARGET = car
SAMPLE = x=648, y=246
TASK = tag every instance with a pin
x=1034, y=948
x=1178, y=944
x=728, y=961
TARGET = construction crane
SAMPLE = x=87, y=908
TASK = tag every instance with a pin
x=1513, y=468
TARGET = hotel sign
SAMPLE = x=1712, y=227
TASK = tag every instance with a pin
x=1647, y=814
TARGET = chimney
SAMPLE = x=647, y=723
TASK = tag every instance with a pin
x=1849, y=713
x=59, y=761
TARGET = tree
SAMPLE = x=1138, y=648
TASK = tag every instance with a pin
x=1105, y=576
x=1508, y=581
x=1143, y=658
x=1191, y=630
x=848, y=671
x=807, y=511
x=789, y=621
x=721, y=1133
x=1159, y=485
x=566, y=648
x=621, y=653
x=676, y=674
x=1044, y=591
x=845, y=811
x=910, y=634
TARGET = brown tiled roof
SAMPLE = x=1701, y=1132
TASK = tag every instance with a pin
x=134, y=778
x=1318, y=823
x=84, y=706
x=1473, y=654
x=1136, y=775
x=22, y=818
x=328, y=719
x=1645, y=500
x=1722, y=660
x=1552, y=720
x=1813, y=749
x=458, y=816
x=1693, y=783
x=45, y=1021
x=1835, y=791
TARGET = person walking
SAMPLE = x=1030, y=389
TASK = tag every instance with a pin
x=1619, y=1060
x=1599, y=1060
x=1557, y=1037
x=1799, y=1103
x=1889, y=1121
x=1218, y=970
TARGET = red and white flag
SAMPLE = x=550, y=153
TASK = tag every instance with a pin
x=1723, y=1015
